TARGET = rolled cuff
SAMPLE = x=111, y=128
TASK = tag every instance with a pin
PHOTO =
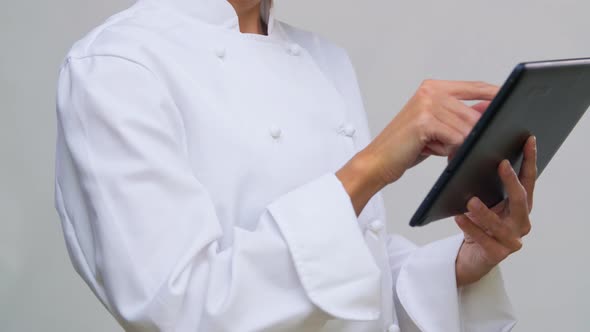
x=427, y=289
x=332, y=260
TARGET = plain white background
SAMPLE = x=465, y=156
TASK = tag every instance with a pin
x=394, y=46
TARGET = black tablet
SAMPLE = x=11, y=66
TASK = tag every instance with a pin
x=545, y=99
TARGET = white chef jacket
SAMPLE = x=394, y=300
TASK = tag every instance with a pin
x=195, y=182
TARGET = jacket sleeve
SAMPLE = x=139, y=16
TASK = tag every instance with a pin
x=426, y=294
x=143, y=233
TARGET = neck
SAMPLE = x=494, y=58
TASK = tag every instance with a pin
x=249, y=19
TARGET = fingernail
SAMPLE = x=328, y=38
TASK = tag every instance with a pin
x=475, y=204
x=535, y=142
x=506, y=167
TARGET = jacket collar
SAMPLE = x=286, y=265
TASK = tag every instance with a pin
x=220, y=12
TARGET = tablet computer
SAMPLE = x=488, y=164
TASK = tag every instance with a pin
x=545, y=99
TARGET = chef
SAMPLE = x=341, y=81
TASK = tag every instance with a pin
x=215, y=172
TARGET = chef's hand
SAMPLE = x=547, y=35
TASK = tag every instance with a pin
x=493, y=234
x=434, y=122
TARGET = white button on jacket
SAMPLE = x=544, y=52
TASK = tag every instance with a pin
x=348, y=130
x=393, y=328
x=376, y=225
x=294, y=49
x=220, y=52
x=182, y=213
x=275, y=131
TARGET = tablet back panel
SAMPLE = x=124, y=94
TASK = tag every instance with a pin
x=545, y=99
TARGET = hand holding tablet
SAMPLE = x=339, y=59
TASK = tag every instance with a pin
x=545, y=99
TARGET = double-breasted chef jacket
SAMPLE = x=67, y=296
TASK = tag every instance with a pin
x=195, y=182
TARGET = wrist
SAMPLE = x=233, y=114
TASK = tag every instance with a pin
x=359, y=180
x=466, y=271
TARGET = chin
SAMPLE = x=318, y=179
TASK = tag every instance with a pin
x=242, y=5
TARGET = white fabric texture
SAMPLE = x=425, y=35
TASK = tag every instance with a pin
x=195, y=182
